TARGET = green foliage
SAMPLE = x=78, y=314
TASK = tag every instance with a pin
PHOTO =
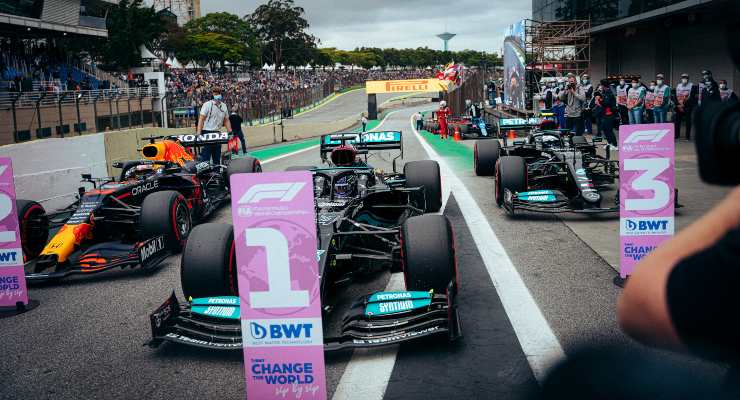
x=421, y=57
x=280, y=25
x=129, y=26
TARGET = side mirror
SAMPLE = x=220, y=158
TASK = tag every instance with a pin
x=117, y=164
x=597, y=140
x=86, y=177
x=519, y=142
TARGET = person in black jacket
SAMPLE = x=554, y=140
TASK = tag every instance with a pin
x=606, y=102
x=236, y=126
x=685, y=97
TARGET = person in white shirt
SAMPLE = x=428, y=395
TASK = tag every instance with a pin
x=418, y=119
x=363, y=120
x=213, y=116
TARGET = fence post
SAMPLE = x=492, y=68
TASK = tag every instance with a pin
x=15, y=120
x=118, y=112
x=128, y=110
x=38, y=109
x=61, y=120
x=77, y=106
x=95, y=111
x=141, y=110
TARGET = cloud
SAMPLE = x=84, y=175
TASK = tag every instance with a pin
x=347, y=24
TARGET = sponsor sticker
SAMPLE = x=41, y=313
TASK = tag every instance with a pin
x=12, y=277
x=646, y=192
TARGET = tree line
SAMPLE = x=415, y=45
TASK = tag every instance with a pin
x=276, y=33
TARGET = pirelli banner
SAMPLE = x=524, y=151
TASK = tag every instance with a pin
x=433, y=85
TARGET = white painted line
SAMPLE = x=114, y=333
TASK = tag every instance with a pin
x=538, y=342
x=369, y=370
x=291, y=154
x=269, y=160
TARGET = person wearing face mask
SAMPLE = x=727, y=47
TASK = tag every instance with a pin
x=725, y=93
x=708, y=89
x=607, y=106
x=586, y=90
x=574, y=103
x=650, y=103
x=685, y=98
x=662, y=99
x=213, y=116
x=636, y=101
x=621, y=92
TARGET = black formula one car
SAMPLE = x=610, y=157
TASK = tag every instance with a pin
x=547, y=171
x=135, y=219
x=471, y=127
x=366, y=222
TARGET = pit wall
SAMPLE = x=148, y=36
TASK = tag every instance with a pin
x=48, y=170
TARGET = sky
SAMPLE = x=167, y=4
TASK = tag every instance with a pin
x=346, y=24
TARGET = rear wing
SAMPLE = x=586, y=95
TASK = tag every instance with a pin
x=193, y=140
x=519, y=123
x=363, y=142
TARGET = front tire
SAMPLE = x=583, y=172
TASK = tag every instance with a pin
x=511, y=173
x=485, y=155
x=428, y=253
x=208, y=263
x=166, y=213
x=33, y=225
x=425, y=173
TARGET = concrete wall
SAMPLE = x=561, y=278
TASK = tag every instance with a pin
x=49, y=170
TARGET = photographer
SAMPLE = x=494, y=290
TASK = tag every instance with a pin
x=574, y=103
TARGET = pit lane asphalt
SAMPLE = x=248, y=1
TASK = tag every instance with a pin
x=85, y=340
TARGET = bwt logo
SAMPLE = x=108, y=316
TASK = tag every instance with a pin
x=280, y=331
x=282, y=191
x=647, y=226
x=11, y=257
x=652, y=136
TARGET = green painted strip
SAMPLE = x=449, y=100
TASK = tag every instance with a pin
x=458, y=154
x=279, y=150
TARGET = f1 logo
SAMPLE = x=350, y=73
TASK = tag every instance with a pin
x=652, y=136
x=282, y=191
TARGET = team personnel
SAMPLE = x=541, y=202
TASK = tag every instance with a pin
x=621, y=92
x=649, y=103
x=574, y=103
x=418, y=120
x=442, y=114
x=661, y=101
x=213, y=116
x=607, y=104
x=686, y=97
x=636, y=101
x=586, y=90
x=725, y=93
x=708, y=89
x=236, y=126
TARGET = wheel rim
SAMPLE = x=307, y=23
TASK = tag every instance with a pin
x=182, y=221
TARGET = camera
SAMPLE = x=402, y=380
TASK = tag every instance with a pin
x=718, y=130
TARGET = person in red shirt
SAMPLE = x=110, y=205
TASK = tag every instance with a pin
x=442, y=115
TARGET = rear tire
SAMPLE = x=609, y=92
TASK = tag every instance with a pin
x=33, y=225
x=425, y=173
x=208, y=263
x=245, y=165
x=485, y=155
x=428, y=253
x=511, y=173
x=166, y=213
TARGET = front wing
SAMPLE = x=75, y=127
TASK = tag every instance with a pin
x=102, y=257
x=547, y=201
x=176, y=322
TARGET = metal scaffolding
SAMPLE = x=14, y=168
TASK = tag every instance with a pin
x=556, y=48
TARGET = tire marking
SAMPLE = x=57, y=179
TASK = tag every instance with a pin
x=538, y=342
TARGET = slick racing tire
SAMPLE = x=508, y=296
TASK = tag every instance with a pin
x=428, y=253
x=208, y=263
x=579, y=141
x=511, y=173
x=425, y=173
x=33, y=225
x=166, y=213
x=246, y=165
x=300, y=168
x=485, y=155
